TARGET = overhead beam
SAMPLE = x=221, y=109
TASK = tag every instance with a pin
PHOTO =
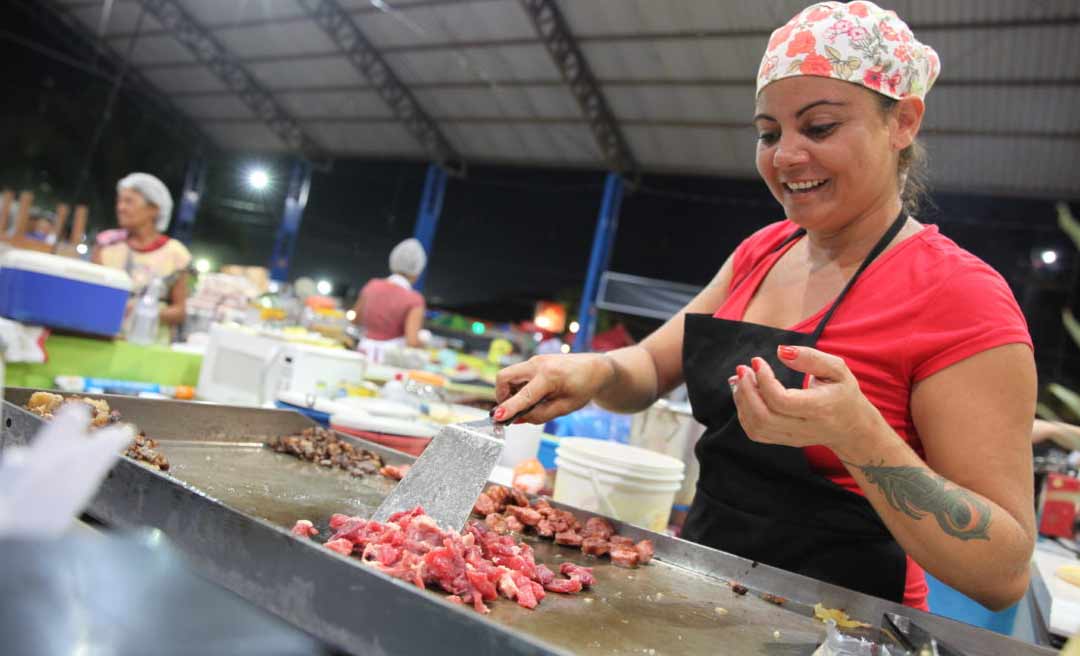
x=213, y=55
x=346, y=34
x=300, y=17
x=707, y=82
x=108, y=65
x=575, y=71
x=623, y=37
x=1018, y=133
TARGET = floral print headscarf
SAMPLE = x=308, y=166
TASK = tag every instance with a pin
x=857, y=42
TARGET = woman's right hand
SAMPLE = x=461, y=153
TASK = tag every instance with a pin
x=555, y=384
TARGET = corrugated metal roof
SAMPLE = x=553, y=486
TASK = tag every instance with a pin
x=677, y=74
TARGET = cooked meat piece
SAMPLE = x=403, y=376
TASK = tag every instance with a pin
x=484, y=505
x=513, y=524
x=395, y=472
x=44, y=404
x=102, y=415
x=358, y=468
x=496, y=522
x=624, y=556
x=645, y=551
x=524, y=514
x=598, y=527
x=774, y=599
x=739, y=588
x=621, y=540
x=324, y=447
x=595, y=546
x=584, y=574
x=544, y=529
x=499, y=495
x=562, y=522
x=142, y=448
x=518, y=498
x=568, y=538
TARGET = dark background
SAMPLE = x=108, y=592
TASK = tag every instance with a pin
x=507, y=236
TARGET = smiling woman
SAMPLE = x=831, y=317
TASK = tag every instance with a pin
x=867, y=385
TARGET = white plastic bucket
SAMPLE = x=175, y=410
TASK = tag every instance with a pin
x=626, y=483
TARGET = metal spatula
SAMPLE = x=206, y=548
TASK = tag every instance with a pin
x=449, y=475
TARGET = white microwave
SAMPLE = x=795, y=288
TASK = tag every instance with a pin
x=245, y=367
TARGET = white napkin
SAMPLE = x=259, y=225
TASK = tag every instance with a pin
x=45, y=485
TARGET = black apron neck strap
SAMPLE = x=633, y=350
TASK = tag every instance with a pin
x=790, y=238
x=879, y=247
x=787, y=240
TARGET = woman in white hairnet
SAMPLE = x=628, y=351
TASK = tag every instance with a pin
x=143, y=210
x=389, y=309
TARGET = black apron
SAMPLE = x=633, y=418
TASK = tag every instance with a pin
x=763, y=501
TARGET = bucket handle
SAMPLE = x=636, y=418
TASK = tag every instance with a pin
x=609, y=510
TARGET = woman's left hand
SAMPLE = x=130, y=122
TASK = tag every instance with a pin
x=832, y=411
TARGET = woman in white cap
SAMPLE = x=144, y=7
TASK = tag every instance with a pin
x=867, y=385
x=389, y=309
x=140, y=247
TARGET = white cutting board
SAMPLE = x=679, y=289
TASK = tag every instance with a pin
x=376, y=406
x=384, y=425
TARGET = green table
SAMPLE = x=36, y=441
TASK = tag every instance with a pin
x=117, y=359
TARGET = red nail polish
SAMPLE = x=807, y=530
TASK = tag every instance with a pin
x=756, y=364
x=788, y=352
x=499, y=414
x=741, y=370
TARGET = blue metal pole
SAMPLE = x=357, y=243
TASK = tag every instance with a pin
x=293, y=215
x=607, y=224
x=427, y=218
x=194, y=185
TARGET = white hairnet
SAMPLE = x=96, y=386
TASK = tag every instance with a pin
x=408, y=258
x=154, y=191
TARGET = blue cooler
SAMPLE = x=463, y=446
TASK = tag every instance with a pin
x=61, y=292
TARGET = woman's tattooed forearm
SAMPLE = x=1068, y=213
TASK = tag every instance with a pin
x=917, y=492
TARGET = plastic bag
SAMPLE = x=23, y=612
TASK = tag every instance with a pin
x=838, y=644
x=592, y=421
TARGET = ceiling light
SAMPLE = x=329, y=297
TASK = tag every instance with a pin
x=259, y=179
